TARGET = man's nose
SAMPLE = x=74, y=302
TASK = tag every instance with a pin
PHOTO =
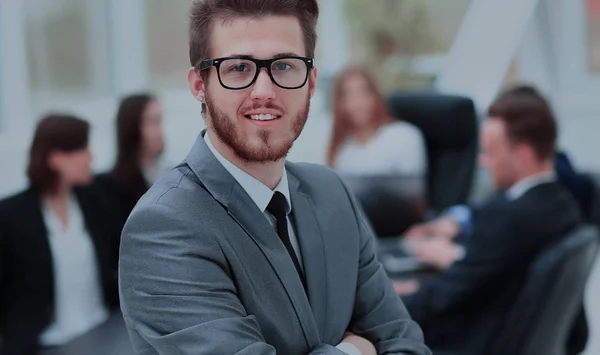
x=263, y=88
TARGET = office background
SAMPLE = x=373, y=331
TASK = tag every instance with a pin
x=83, y=55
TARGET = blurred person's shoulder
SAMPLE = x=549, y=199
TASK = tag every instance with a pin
x=399, y=129
x=17, y=208
x=546, y=199
x=10, y=203
x=542, y=206
x=544, y=196
x=401, y=126
x=547, y=210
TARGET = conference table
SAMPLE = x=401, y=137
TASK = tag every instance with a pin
x=109, y=338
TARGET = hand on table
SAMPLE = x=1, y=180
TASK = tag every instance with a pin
x=439, y=253
x=405, y=287
x=441, y=228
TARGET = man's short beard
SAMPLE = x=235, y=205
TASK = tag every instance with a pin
x=226, y=131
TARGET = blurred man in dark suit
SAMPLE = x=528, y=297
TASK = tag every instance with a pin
x=484, y=252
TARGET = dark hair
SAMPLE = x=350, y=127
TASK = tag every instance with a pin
x=524, y=90
x=54, y=132
x=127, y=170
x=341, y=128
x=528, y=118
x=205, y=12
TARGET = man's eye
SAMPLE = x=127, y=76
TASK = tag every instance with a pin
x=282, y=66
x=239, y=68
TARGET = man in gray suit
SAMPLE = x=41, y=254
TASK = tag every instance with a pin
x=237, y=251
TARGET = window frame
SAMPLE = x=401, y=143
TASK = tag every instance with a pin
x=577, y=84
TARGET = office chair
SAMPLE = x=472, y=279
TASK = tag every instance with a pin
x=392, y=203
x=449, y=127
x=594, y=201
x=541, y=320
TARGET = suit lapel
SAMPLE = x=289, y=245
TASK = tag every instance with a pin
x=313, y=252
x=229, y=193
x=254, y=222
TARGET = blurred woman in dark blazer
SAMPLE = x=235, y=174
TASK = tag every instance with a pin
x=139, y=148
x=57, y=251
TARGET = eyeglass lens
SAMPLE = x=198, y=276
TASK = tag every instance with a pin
x=286, y=72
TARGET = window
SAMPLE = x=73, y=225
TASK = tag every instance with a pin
x=167, y=35
x=593, y=34
x=404, y=41
x=445, y=18
x=67, y=46
x=575, y=33
x=2, y=86
x=512, y=74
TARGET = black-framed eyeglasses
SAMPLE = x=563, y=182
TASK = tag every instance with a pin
x=240, y=72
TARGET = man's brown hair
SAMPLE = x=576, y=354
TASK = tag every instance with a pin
x=204, y=13
x=528, y=119
x=55, y=132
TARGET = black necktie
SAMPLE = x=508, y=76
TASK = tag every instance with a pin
x=277, y=207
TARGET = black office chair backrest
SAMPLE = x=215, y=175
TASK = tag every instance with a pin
x=449, y=126
x=391, y=203
x=594, y=202
x=541, y=319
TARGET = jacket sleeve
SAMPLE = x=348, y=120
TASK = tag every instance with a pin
x=490, y=253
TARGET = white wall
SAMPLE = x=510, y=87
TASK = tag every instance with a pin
x=483, y=49
x=552, y=55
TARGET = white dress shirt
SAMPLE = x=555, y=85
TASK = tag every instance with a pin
x=261, y=195
x=396, y=148
x=78, y=296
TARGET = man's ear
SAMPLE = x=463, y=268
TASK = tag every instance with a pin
x=196, y=84
x=312, y=82
x=525, y=152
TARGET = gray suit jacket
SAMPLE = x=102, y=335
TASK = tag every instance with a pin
x=203, y=272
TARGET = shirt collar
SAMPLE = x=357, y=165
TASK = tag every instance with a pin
x=521, y=187
x=258, y=192
x=75, y=217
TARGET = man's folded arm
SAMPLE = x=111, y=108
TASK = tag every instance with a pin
x=176, y=293
x=175, y=290
x=379, y=314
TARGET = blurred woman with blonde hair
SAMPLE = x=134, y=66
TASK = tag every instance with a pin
x=365, y=139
